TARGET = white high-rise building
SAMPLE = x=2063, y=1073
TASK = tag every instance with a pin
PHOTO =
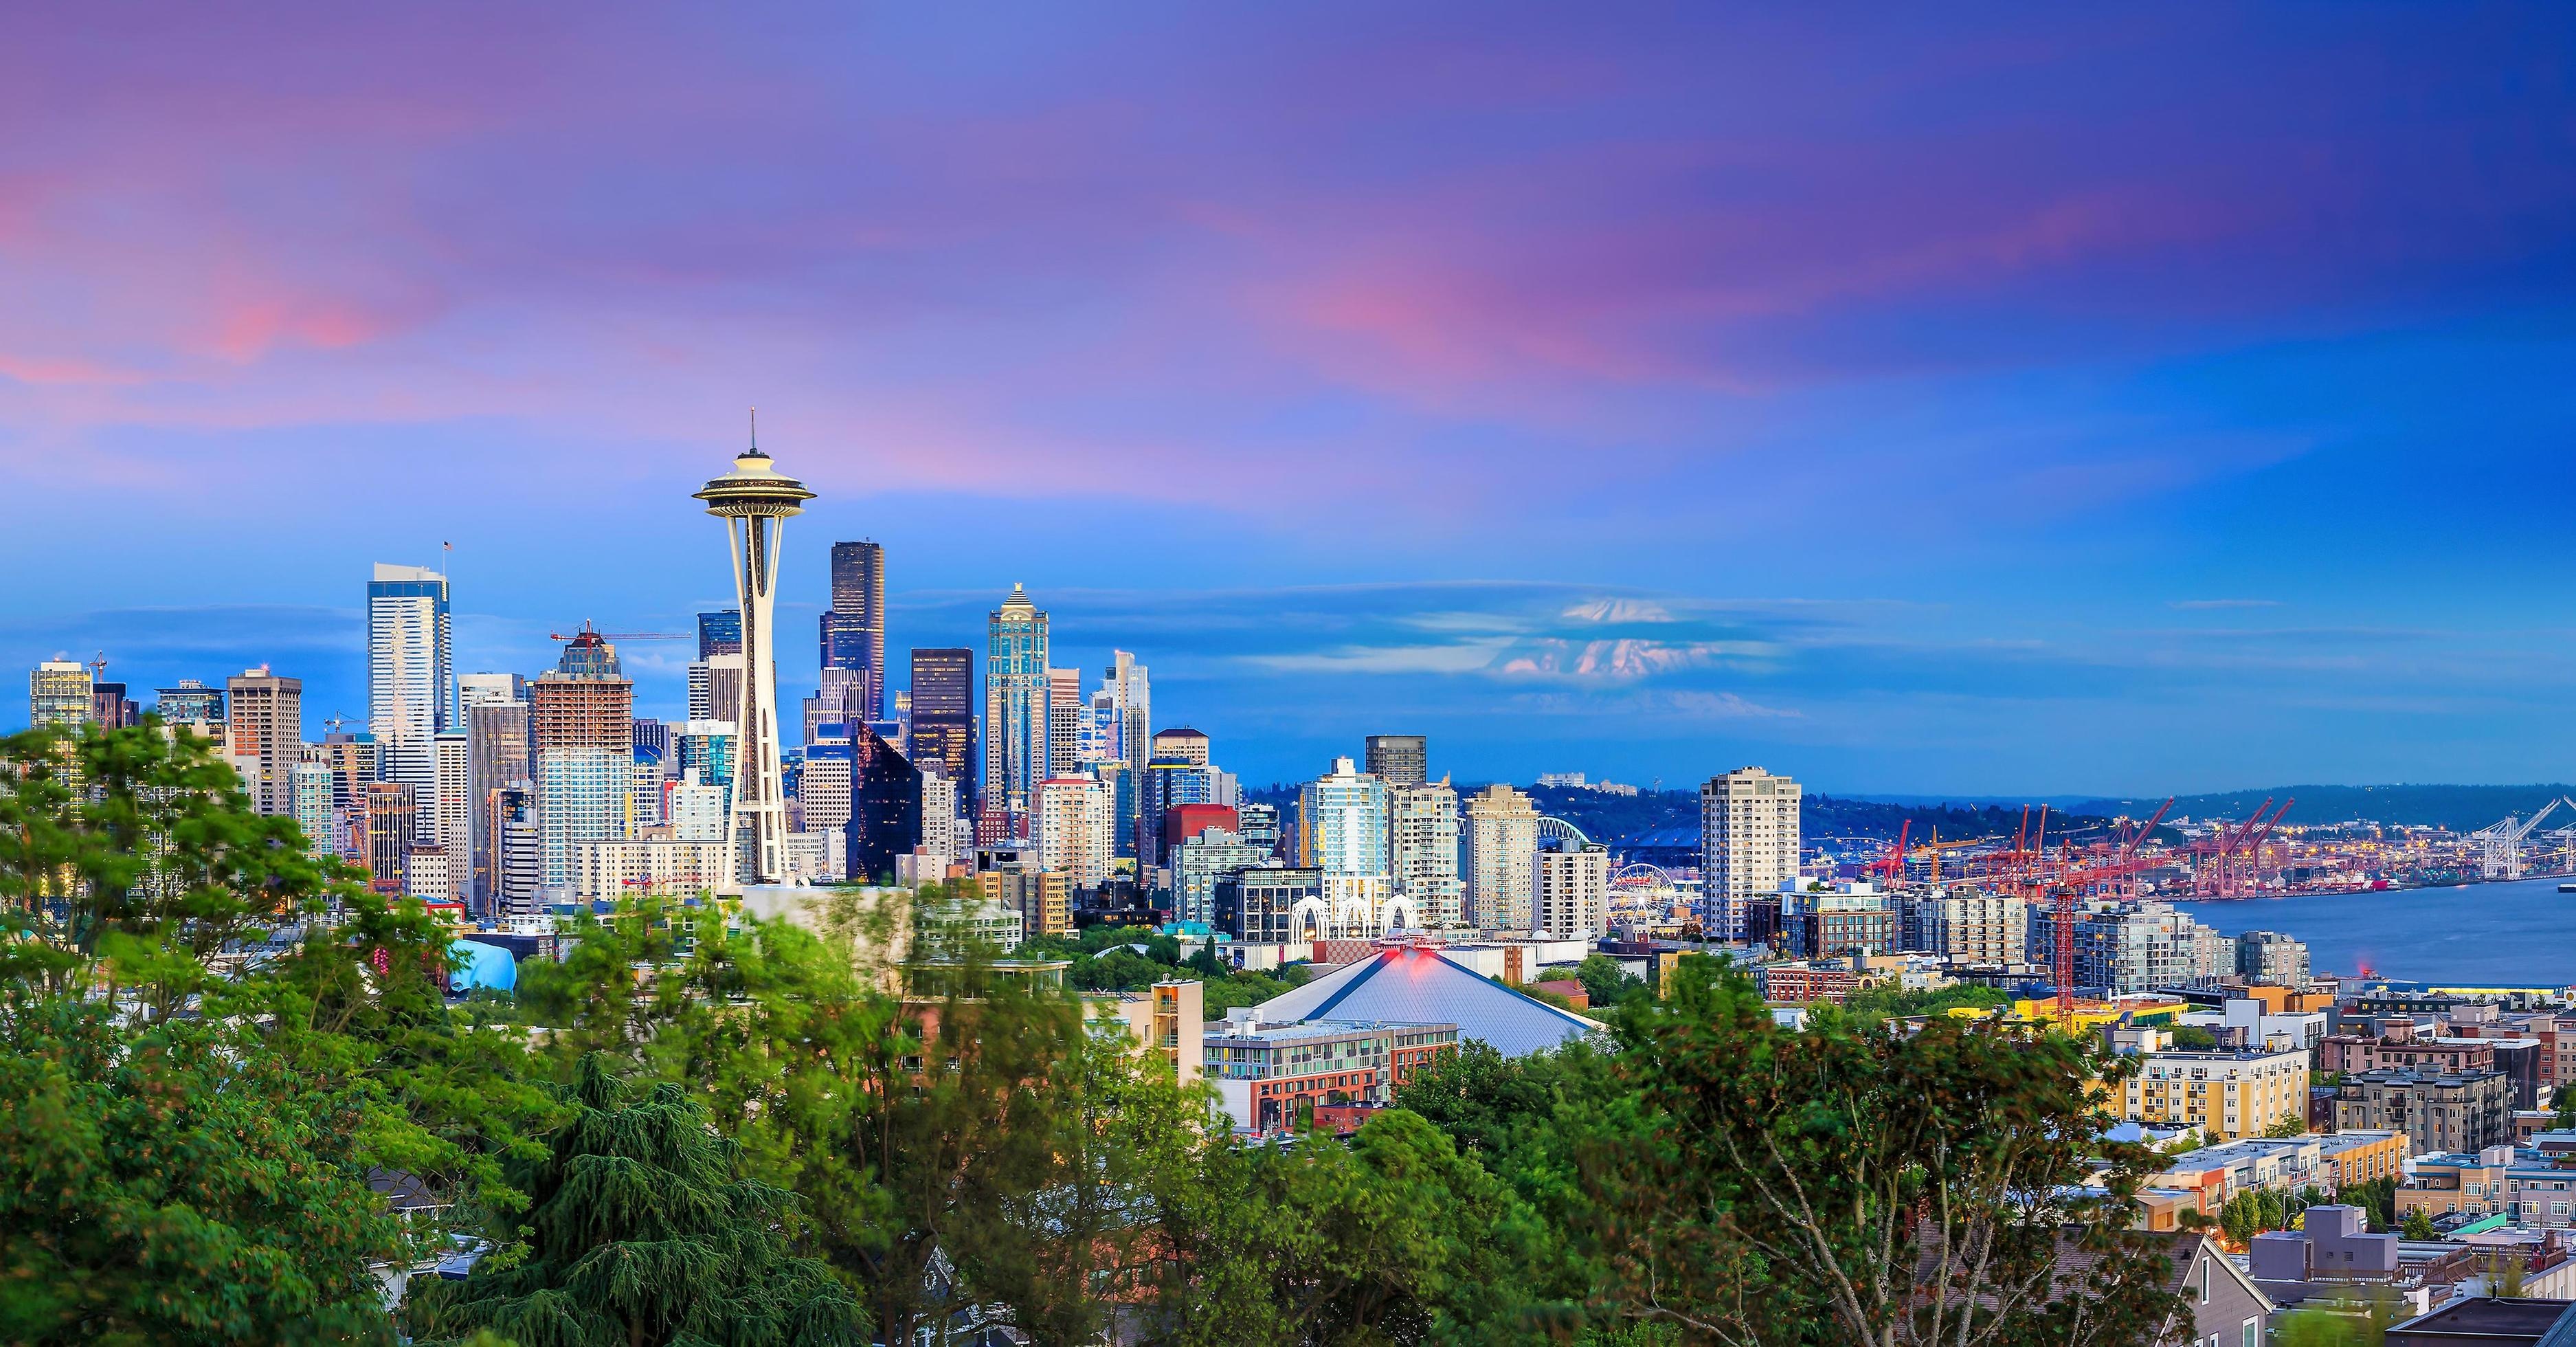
x=1501, y=860
x=697, y=809
x=491, y=689
x=60, y=692
x=823, y=791
x=453, y=799
x=944, y=837
x=1074, y=822
x=1748, y=844
x=1341, y=822
x=581, y=797
x=1574, y=891
x=310, y=785
x=411, y=682
x=755, y=501
x=1422, y=842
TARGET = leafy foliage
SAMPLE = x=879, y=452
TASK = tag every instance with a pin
x=165, y=1185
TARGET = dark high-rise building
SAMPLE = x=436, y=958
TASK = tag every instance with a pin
x=393, y=810
x=720, y=633
x=943, y=714
x=111, y=708
x=885, y=806
x=496, y=736
x=854, y=629
x=1398, y=759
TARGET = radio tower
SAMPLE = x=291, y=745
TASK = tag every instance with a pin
x=755, y=500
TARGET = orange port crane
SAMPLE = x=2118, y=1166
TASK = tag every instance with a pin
x=2217, y=868
x=1891, y=866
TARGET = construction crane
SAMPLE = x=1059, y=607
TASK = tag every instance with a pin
x=2500, y=843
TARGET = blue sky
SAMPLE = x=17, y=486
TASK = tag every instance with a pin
x=2031, y=400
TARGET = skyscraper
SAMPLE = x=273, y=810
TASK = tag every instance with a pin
x=497, y=737
x=1341, y=822
x=1398, y=759
x=885, y=806
x=111, y=708
x=411, y=681
x=720, y=633
x=1501, y=859
x=267, y=727
x=1748, y=844
x=1176, y=773
x=1130, y=693
x=1064, y=722
x=854, y=630
x=581, y=751
x=59, y=693
x=391, y=832
x=943, y=715
x=453, y=827
x=490, y=689
x=1017, y=692
x=755, y=501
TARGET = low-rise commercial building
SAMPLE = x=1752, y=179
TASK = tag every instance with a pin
x=1264, y=1073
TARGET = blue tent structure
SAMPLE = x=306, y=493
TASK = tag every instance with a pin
x=481, y=965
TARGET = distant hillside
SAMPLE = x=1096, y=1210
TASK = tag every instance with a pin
x=1606, y=817
x=2463, y=808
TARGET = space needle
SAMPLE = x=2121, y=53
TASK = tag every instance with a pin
x=755, y=500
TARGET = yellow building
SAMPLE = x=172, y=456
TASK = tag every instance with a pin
x=1043, y=898
x=2225, y=1094
x=2090, y=1015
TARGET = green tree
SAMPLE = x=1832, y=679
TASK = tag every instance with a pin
x=2193, y=1038
x=1393, y=1238
x=1759, y=1185
x=2563, y=1104
x=2418, y=1224
x=645, y=1230
x=174, y=1183
x=134, y=875
x=1604, y=981
x=2287, y=1126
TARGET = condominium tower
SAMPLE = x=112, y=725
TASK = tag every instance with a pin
x=854, y=627
x=1748, y=844
x=267, y=728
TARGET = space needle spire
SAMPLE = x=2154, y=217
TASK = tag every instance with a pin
x=754, y=501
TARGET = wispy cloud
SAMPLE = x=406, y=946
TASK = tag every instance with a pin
x=2197, y=604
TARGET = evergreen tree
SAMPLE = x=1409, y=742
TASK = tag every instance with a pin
x=644, y=1231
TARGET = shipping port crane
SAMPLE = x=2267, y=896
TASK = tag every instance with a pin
x=2500, y=843
x=2215, y=875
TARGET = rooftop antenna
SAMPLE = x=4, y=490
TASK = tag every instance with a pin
x=755, y=430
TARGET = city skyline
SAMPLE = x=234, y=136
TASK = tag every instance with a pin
x=2071, y=403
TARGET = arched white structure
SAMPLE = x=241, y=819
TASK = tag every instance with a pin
x=1309, y=921
x=1399, y=906
x=1554, y=829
